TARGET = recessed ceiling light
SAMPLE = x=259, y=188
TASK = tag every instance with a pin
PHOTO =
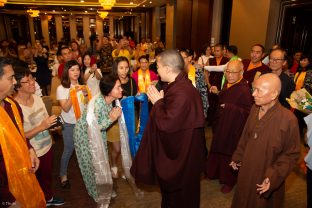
x=45, y=13
x=131, y=2
x=86, y=11
x=143, y=5
x=81, y=0
x=151, y=2
x=64, y=10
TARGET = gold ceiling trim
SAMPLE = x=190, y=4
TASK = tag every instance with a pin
x=67, y=3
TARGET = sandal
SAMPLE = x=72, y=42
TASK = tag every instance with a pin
x=114, y=171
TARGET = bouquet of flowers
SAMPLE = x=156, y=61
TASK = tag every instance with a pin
x=301, y=100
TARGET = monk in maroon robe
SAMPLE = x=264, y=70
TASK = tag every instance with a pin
x=215, y=79
x=172, y=150
x=254, y=67
x=235, y=101
x=268, y=148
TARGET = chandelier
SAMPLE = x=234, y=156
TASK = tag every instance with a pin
x=2, y=2
x=107, y=4
x=103, y=14
x=33, y=13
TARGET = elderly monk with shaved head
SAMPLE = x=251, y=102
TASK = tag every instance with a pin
x=268, y=148
x=235, y=102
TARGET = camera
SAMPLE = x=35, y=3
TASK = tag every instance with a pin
x=59, y=122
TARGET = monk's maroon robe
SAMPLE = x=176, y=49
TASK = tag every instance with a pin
x=172, y=150
x=249, y=75
x=215, y=79
x=268, y=148
x=230, y=122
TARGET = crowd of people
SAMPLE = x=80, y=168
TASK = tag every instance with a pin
x=256, y=135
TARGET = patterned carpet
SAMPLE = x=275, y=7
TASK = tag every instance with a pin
x=211, y=197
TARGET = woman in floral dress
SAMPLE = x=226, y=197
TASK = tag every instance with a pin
x=90, y=140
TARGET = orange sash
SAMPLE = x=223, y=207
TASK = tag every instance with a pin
x=73, y=96
x=299, y=79
x=143, y=83
x=191, y=74
x=23, y=184
x=253, y=66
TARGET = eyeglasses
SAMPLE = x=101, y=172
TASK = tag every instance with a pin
x=276, y=59
x=232, y=72
x=30, y=79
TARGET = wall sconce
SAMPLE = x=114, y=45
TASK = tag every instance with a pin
x=33, y=13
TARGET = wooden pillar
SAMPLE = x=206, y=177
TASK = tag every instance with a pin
x=2, y=28
x=31, y=30
x=86, y=29
x=99, y=26
x=111, y=25
x=121, y=27
x=8, y=26
x=143, y=25
x=155, y=24
x=137, y=28
x=170, y=29
x=72, y=27
x=216, y=22
x=45, y=28
x=59, y=27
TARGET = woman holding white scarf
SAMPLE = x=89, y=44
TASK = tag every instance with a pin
x=90, y=140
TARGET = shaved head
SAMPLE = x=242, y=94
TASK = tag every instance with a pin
x=234, y=71
x=272, y=81
x=266, y=90
x=236, y=64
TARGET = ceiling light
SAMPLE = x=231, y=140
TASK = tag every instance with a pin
x=2, y=2
x=131, y=2
x=33, y=13
x=107, y=4
x=86, y=11
x=81, y=1
x=151, y=2
x=103, y=15
x=143, y=5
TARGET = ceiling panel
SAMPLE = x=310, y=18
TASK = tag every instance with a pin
x=89, y=3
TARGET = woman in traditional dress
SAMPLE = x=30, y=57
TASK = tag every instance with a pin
x=90, y=140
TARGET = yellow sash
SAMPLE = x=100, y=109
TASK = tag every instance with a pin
x=299, y=79
x=73, y=96
x=228, y=85
x=23, y=184
x=143, y=83
x=191, y=74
